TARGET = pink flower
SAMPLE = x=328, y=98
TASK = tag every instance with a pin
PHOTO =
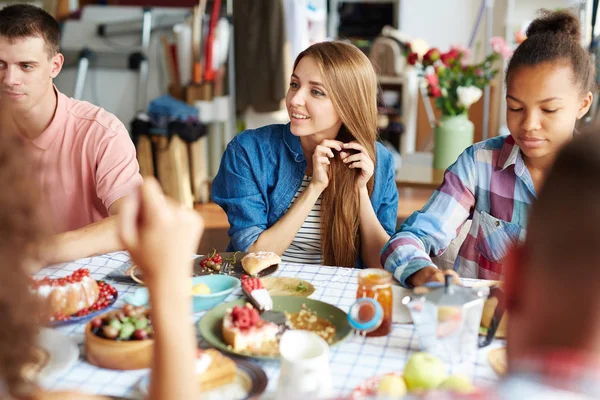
x=500, y=46
x=465, y=51
x=432, y=80
x=435, y=91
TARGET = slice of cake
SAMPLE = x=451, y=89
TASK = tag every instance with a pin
x=245, y=331
x=214, y=369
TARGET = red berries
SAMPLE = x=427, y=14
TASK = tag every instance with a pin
x=249, y=283
x=245, y=317
x=75, y=277
x=213, y=261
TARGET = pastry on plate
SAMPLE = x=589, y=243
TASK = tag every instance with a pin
x=31, y=371
x=213, y=369
x=254, y=263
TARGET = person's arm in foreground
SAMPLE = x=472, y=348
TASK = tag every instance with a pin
x=162, y=238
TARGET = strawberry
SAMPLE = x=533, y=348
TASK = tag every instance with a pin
x=249, y=284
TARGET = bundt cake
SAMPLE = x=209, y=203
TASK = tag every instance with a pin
x=69, y=294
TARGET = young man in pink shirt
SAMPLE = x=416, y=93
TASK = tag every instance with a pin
x=86, y=159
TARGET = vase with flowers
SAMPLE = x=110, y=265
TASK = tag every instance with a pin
x=455, y=84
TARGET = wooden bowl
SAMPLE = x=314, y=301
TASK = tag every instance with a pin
x=112, y=354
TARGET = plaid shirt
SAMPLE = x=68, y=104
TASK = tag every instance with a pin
x=490, y=184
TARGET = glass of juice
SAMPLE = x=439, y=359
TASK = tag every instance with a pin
x=376, y=284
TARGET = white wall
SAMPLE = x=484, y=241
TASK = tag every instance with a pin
x=440, y=22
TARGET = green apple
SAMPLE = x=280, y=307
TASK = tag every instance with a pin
x=391, y=386
x=458, y=384
x=424, y=371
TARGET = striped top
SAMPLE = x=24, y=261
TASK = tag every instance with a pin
x=306, y=246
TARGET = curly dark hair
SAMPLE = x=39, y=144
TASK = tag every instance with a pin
x=21, y=227
x=555, y=36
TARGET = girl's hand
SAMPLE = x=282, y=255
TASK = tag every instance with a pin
x=359, y=160
x=161, y=235
x=320, y=162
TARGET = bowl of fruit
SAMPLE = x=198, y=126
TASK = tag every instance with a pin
x=210, y=290
x=120, y=339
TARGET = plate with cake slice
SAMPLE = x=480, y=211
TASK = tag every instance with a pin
x=238, y=328
x=221, y=377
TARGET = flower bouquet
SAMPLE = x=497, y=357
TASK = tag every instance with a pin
x=452, y=80
x=455, y=84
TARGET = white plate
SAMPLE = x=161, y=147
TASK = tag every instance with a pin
x=62, y=352
x=237, y=390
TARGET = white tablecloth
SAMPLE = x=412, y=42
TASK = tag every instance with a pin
x=352, y=361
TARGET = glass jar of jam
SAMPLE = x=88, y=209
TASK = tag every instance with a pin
x=376, y=284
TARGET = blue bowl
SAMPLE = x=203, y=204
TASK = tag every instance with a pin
x=220, y=287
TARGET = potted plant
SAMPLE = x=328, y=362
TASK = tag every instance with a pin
x=455, y=84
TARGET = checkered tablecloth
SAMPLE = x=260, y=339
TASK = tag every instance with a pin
x=352, y=361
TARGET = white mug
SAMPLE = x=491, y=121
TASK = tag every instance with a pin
x=305, y=371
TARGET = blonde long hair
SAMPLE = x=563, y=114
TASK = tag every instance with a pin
x=351, y=83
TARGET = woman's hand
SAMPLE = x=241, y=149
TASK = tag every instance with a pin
x=161, y=235
x=359, y=160
x=320, y=162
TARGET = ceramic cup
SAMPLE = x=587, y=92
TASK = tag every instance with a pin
x=305, y=371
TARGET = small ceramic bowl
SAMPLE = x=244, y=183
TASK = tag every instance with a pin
x=220, y=287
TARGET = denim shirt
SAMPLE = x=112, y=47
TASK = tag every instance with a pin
x=261, y=171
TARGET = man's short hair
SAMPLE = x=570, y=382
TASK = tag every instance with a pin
x=22, y=21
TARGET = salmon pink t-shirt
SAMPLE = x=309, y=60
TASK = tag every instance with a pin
x=87, y=162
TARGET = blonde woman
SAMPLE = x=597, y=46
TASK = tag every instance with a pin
x=320, y=189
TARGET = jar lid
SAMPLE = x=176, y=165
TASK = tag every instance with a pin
x=365, y=314
x=375, y=276
x=451, y=294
